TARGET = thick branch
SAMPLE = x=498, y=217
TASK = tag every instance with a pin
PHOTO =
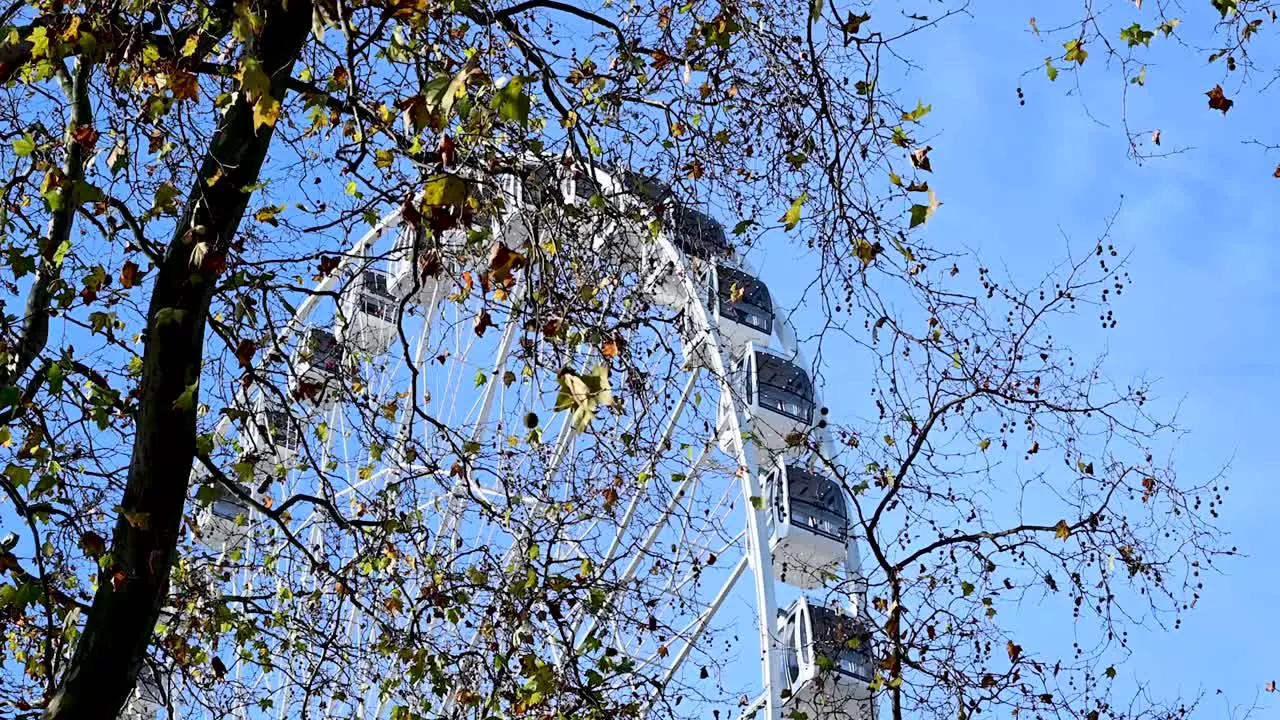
x=132, y=591
x=35, y=328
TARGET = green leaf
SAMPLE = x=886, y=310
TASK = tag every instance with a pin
x=187, y=399
x=1050, y=70
x=791, y=217
x=920, y=214
x=24, y=146
x=167, y=315
x=512, y=103
x=967, y=588
x=1135, y=35
x=19, y=475
x=757, y=502
x=1075, y=52
x=920, y=111
x=165, y=201
x=9, y=395
x=444, y=190
x=55, y=374
x=815, y=10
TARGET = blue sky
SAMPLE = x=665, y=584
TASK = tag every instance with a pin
x=1023, y=185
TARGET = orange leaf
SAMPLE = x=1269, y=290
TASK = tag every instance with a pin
x=1015, y=651
x=129, y=274
x=245, y=351
x=1219, y=101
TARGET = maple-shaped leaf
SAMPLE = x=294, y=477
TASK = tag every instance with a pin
x=582, y=394
x=93, y=544
x=129, y=275
x=1014, y=650
x=503, y=262
x=85, y=136
x=244, y=352
x=1219, y=101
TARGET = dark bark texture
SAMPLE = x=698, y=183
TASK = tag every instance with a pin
x=133, y=588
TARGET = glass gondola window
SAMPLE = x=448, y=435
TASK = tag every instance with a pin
x=744, y=299
x=648, y=188
x=696, y=233
x=375, y=296
x=585, y=185
x=542, y=185
x=781, y=386
x=816, y=504
x=843, y=641
x=321, y=349
x=793, y=653
x=228, y=506
x=282, y=428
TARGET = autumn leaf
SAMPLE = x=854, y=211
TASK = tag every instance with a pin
x=483, y=322
x=265, y=112
x=93, y=544
x=1270, y=686
x=609, y=348
x=1062, y=531
x=582, y=394
x=244, y=352
x=503, y=263
x=1075, y=52
x=85, y=136
x=1015, y=651
x=1219, y=101
x=1155, y=137
x=444, y=190
x=791, y=217
x=920, y=158
x=129, y=275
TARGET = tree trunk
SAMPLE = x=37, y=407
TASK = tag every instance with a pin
x=133, y=589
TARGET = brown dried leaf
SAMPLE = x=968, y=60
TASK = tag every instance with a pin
x=1219, y=101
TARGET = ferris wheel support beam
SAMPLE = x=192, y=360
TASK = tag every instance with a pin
x=757, y=539
x=308, y=306
x=700, y=625
x=667, y=431
x=689, y=480
x=456, y=496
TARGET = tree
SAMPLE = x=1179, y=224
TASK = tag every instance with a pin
x=261, y=143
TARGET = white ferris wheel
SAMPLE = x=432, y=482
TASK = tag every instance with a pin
x=712, y=536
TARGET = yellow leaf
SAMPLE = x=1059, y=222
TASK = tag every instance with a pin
x=265, y=112
x=1062, y=531
x=791, y=217
x=72, y=33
